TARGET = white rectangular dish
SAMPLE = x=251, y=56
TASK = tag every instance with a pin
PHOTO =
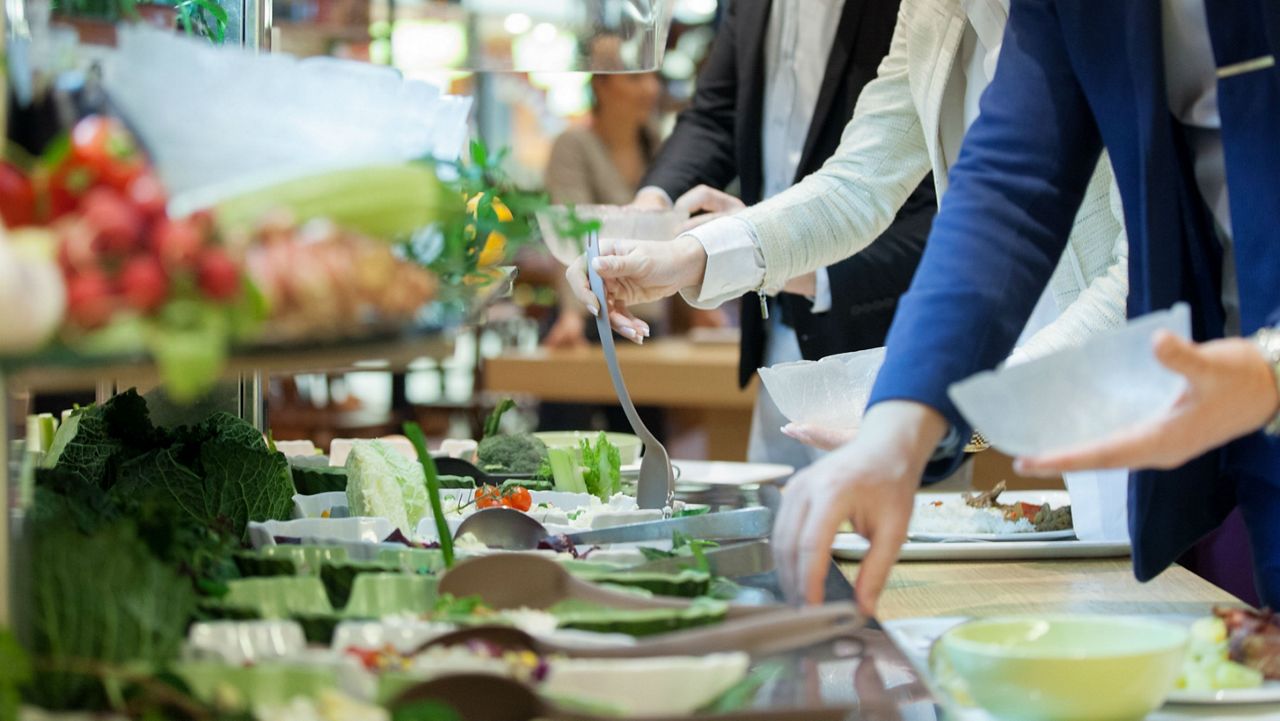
x=852, y=547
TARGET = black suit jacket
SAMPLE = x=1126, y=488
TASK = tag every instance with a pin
x=719, y=138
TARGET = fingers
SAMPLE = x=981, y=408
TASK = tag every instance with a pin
x=886, y=540
x=1140, y=447
x=627, y=325
x=825, y=439
x=705, y=199
x=576, y=277
x=815, y=551
x=621, y=266
x=786, y=535
x=1178, y=354
x=699, y=220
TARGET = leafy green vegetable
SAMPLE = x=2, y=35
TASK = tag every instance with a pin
x=424, y=711
x=220, y=469
x=219, y=472
x=520, y=453
x=99, y=599
x=587, y=616
x=602, y=467
x=15, y=672
x=568, y=474
x=419, y=441
x=494, y=421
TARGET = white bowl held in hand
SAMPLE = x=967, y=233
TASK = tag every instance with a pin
x=831, y=392
x=1076, y=396
x=616, y=221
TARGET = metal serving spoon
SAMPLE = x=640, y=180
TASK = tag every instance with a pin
x=657, y=483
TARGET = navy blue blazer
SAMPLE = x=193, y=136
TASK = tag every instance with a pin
x=1075, y=76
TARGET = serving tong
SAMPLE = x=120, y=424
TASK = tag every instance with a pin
x=656, y=486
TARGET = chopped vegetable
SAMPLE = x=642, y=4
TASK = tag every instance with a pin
x=1208, y=666
x=566, y=471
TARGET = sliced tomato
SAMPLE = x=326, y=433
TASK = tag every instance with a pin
x=1029, y=510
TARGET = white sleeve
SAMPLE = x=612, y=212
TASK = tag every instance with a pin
x=734, y=263
x=844, y=206
x=821, y=291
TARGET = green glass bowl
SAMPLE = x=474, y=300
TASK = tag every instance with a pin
x=1060, y=668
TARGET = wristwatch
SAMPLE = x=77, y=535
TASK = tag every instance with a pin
x=1268, y=341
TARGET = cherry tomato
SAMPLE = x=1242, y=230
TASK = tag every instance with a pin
x=488, y=497
x=17, y=197
x=105, y=146
x=518, y=498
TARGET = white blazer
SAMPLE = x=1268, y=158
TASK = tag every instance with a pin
x=889, y=146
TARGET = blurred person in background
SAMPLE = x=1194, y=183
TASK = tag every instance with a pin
x=600, y=162
x=778, y=87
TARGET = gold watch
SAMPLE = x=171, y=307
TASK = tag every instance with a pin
x=1268, y=341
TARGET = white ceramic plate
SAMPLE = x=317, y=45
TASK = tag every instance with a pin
x=1268, y=692
x=1055, y=499
x=992, y=537
x=852, y=547
x=726, y=473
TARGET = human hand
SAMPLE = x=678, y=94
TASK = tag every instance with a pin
x=806, y=285
x=824, y=438
x=870, y=482
x=651, y=198
x=1231, y=392
x=705, y=204
x=569, y=331
x=637, y=271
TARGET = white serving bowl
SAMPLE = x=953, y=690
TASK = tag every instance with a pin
x=831, y=392
x=616, y=221
x=1076, y=396
x=341, y=530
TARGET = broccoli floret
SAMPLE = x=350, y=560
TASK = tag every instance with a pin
x=521, y=453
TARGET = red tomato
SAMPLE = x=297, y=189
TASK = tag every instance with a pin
x=1029, y=510
x=517, y=498
x=17, y=197
x=176, y=242
x=147, y=194
x=115, y=220
x=90, y=301
x=217, y=275
x=488, y=497
x=144, y=282
x=105, y=146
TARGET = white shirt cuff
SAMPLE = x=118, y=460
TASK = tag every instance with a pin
x=821, y=292
x=734, y=262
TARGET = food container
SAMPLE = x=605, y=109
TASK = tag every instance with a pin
x=1060, y=668
x=616, y=221
x=831, y=392
x=628, y=445
x=1077, y=396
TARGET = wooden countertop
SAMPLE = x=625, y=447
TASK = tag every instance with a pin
x=1013, y=587
x=667, y=372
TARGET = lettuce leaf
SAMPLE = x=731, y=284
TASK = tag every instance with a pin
x=602, y=467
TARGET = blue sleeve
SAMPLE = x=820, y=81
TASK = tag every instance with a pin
x=1004, y=222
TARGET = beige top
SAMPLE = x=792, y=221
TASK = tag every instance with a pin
x=580, y=171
